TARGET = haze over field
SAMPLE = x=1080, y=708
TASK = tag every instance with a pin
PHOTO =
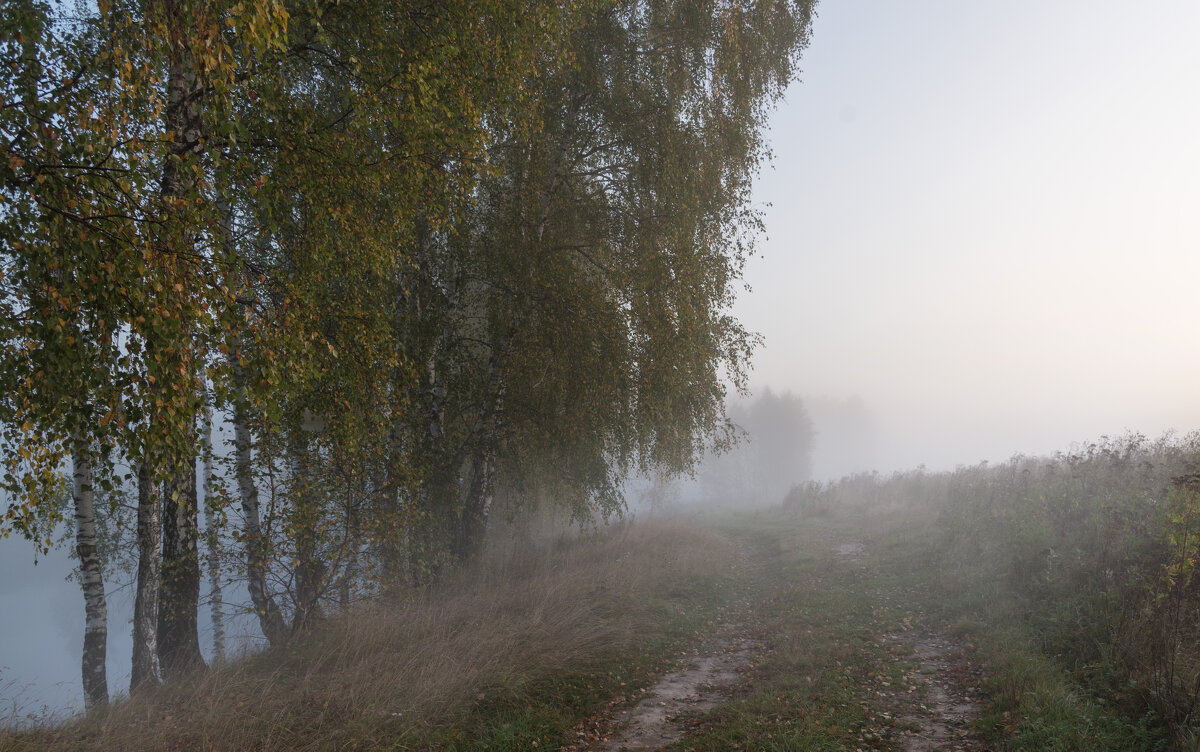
x=982, y=240
x=984, y=223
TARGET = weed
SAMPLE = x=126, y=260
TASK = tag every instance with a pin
x=495, y=660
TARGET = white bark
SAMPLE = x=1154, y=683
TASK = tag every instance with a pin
x=212, y=560
x=269, y=617
x=95, y=630
x=145, y=607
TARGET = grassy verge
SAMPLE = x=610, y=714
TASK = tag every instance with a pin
x=836, y=678
x=528, y=654
x=816, y=689
x=1037, y=700
x=510, y=659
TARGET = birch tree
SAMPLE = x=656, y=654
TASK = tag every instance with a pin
x=212, y=558
x=95, y=631
x=59, y=320
x=491, y=244
x=579, y=326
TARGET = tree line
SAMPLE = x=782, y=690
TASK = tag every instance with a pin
x=420, y=256
x=771, y=453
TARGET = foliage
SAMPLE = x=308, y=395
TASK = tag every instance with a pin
x=1090, y=552
x=421, y=254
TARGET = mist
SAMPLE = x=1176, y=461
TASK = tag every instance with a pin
x=981, y=223
x=975, y=287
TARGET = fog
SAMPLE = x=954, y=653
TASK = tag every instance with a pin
x=42, y=620
x=982, y=224
x=981, y=240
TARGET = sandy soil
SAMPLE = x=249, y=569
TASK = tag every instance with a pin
x=931, y=710
x=702, y=682
x=939, y=714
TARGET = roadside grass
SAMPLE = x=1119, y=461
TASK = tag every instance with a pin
x=1036, y=701
x=1086, y=558
x=834, y=681
x=1040, y=701
x=816, y=689
x=510, y=658
x=1037, y=705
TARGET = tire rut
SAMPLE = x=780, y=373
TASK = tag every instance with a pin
x=947, y=697
x=704, y=680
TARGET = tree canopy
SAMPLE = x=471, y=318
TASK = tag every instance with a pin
x=421, y=255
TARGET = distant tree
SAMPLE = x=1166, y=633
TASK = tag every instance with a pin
x=781, y=441
x=773, y=452
x=846, y=437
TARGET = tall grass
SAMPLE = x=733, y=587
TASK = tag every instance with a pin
x=549, y=626
x=1092, y=552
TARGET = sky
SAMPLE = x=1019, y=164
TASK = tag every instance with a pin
x=983, y=224
x=983, y=221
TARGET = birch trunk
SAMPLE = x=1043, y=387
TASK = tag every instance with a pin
x=179, y=600
x=95, y=630
x=310, y=570
x=145, y=608
x=473, y=519
x=349, y=574
x=212, y=560
x=472, y=526
x=270, y=620
x=393, y=544
x=350, y=571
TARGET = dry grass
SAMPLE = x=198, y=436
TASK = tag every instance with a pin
x=390, y=677
x=1075, y=571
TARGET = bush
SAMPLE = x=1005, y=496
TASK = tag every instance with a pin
x=1095, y=549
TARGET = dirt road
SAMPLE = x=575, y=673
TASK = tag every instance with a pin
x=921, y=692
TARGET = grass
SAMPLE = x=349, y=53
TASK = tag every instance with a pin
x=836, y=678
x=1047, y=569
x=511, y=658
x=816, y=688
x=1048, y=576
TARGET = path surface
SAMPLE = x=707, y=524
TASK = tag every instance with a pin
x=703, y=680
x=932, y=708
x=941, y=693
x=702, y=683
x=947, y=696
